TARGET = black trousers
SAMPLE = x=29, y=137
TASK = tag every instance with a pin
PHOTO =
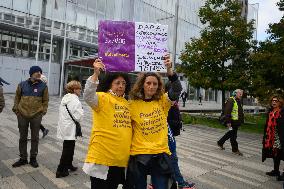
x=276, y=160
x=23, y=125
x=232, y=135
x=42, y=128
x=67, y=155
x=115, y=176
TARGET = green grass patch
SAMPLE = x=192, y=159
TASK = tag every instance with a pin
x=253, y=123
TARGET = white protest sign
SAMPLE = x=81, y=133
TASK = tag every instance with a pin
x=150, y=47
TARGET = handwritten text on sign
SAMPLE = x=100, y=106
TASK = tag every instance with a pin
x=132, y=46
x=150, y=46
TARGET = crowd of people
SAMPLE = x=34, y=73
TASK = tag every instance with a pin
x=133, y=130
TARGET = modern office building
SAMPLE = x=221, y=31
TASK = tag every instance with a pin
x=61, y=35
x=56, y=34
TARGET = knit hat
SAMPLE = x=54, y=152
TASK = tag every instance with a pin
x=35, y=69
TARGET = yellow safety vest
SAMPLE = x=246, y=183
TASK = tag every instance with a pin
x=235, y=110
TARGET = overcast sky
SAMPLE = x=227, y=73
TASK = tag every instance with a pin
x=268, y=13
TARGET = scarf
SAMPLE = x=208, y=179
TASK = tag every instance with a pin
x=271, y=127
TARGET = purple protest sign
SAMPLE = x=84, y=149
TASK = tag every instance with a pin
x=117, y=45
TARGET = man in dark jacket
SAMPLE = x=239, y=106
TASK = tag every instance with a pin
x=2, y=101
x=234, y=118
x=31, y=102
x=184, y=96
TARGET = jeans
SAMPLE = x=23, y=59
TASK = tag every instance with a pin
x=156, y=165
x=159, y=180
x=23, y=125
x=174, y=159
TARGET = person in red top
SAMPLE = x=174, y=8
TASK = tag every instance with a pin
x=273, y=138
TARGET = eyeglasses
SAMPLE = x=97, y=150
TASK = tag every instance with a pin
x=275, y=100
x=120, y=83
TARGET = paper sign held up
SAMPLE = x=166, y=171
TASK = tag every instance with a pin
x=133, y=46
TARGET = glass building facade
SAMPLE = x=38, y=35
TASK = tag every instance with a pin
x=38, y=31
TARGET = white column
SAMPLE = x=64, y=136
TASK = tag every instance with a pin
x=51, y=45
x=38, y=33
x=63, y=54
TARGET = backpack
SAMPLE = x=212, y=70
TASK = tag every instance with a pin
x=174, y=120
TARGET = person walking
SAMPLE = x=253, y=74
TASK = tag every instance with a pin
x=2, y=99
x=42, y=128
x=70, y=110
x=273, y=138
x=184, y=96
x=110, y=140
x=30, y=104
x=234, y=116
x=149, y=106
x=200, y=99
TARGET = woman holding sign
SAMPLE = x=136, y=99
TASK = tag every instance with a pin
x=111, y=134
x=149, y=107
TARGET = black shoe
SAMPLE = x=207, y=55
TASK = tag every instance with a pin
x=238, y=153
x=72, y=168
x=33, y=163
x=273, y=173
x=20, y=162
x=280, y=177
x=220, y=146
x=44, y=133
x=60, y=174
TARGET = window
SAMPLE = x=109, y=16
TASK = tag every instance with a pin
x=26, y=45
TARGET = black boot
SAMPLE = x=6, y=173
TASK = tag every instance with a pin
x=273, y=173
x=281, y=177
x=72, y=168
x=20, y=162
x=61, y=171
x=33, y=162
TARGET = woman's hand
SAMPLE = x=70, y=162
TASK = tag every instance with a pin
x=98, y=66
x=168, y=64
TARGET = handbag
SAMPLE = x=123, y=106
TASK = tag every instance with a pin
x=78, y=126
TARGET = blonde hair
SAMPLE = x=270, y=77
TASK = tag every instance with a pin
x=279, y=98
x=73, y=85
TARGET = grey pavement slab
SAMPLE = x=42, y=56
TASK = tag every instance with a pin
x=200, y=159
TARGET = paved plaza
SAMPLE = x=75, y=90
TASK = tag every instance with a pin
x=200, y=159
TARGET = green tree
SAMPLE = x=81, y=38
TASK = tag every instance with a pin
x=218, y=59
x=268, y=62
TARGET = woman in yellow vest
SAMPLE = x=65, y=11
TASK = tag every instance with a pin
x=149, y=107
x=111, y=134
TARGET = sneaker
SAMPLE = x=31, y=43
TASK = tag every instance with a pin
x=273, y=173
x=238, y=153
x=44, y=133
x=20, y=162
x=33, y=163
x=220, y=146
x=72, y=168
